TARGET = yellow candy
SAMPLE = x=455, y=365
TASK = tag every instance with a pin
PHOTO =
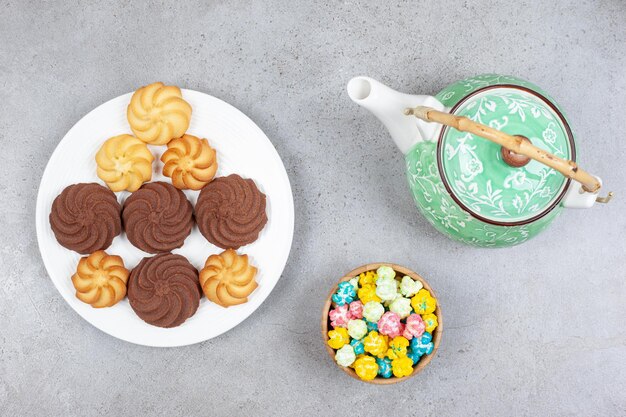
x=362, y=355
x=376, y=344
x=338, y=338
x=402, y=366
x=367, y=293
x=430, y=320
x=367, y=278
x=367, y=368
x=423, y=303
x=398, y=347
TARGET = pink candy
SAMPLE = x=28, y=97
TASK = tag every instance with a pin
x=356, y=310
x=414, y=326
x=340, y=316
x=390, y=325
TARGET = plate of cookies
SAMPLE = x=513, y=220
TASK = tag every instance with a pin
x=165, y=216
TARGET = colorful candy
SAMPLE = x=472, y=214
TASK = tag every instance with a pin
x=345, y=356
x=367, y=278
x=402, y=366
x=367, y=293
x=357, y=329
x=345, y=293
x=431, y=322
x=423, y=302
x=373, y=311
x=390, y=324
x=422, y=345
x=384, y=367
x=340, y=316
x=382, y=324
x=366, y=368
x=401, y=306
x=386, y=289
x=356, y=310
x=397, y=347
x=409, y=287
x=372, y=325
x=376, y=344
x=358, y=347
x=338, y=338
x=414, y=326
x=386, y=272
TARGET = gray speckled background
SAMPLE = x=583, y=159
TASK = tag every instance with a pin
x=534, y=330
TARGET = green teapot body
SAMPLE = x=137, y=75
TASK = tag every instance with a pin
x=462, y=183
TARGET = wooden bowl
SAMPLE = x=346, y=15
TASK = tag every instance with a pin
x=425, y=360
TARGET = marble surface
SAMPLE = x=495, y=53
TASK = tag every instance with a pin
x=535, y=329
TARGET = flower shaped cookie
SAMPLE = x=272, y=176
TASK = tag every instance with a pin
x=357, y=329
x=227, y=279
x=356, y=310
x=357, y=345
x=414, y=326
x=157, y=113
x=345, y=356
x=422, y=345
x=190, y=162
x=390, y=324
x=124, y=163
x=409, y=287
x=100, y=279
x=366, y=278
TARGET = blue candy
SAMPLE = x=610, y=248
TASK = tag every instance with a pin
x=371, y=325
x=358, y=347
x=345, y=293
x=384, y=367
x=414, y=356
x=422, y=345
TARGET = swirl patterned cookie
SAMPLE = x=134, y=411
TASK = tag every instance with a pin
x=157, y=217
x=85, y=217
x=230, y=212
x=100, y=279
x=190, y=162
x=227, y=279
x=124, y=163
x=164, y=290
x=157, y=113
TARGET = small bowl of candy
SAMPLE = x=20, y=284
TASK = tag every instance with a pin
x=382, y=323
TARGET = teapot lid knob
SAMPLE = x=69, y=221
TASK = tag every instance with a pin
x=514, y=159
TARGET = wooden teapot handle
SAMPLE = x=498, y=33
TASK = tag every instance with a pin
x=516, y=144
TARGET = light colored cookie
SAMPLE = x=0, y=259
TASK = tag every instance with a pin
x=190, y=162
x=124, y=163
x=100, y=279
x=227, y=279
x=157, y=113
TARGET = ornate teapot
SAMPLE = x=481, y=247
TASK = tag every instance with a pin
x=490, y=159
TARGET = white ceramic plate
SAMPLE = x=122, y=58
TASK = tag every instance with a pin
x=241, y=147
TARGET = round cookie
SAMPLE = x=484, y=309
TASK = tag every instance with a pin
x=230, y=212
x=227, y=279
x=124, y=163
x=157, y=217
x=164, y=290
x=85, y=217
x=158, y=113
x=100, y=279
x=190, y=162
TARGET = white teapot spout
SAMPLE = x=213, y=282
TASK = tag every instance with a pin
x=389, y=105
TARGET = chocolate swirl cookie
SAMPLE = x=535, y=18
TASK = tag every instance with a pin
x=85, y=217
x=230, y=211
x=157, y=217
x=164, y=290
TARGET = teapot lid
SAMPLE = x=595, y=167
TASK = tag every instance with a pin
x=491, y=183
